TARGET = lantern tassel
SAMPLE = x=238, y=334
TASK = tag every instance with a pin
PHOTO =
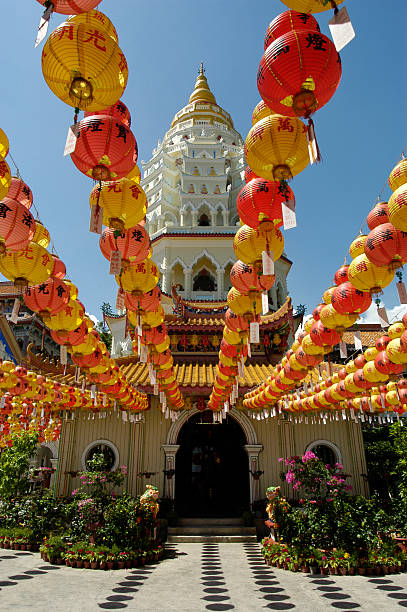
x=313, y=148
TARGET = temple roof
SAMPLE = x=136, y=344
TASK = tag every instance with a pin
x=202, y=93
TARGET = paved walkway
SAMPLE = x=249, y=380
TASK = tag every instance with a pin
x=196, y=578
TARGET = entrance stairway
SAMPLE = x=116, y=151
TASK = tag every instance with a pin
x=211, y=530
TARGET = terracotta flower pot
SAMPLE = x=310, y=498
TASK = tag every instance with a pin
x=343, y=571
x=6, y=544
x=67, y=563
x=121, y=564
x=305, y=569
x=86, y=564
x=59, y=561
x=23, y=547
x=392, y=569
x=110, y=565
x=296, y=567
x=129, y=563
x=323, y=571
x=385, y=569
x=278, y=564
x=378, y=570
x=103, y=565
x=314, y=569
x=285, y=566
x=94, y=565
x=333, y=571
x=29, y=546
x=352, y=571
x=370, y=571
x=362, y=571
x=79, y=564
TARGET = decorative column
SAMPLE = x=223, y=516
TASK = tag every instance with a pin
x=182, y=213
x=170, y=451
x=194, y=216
x=188, y=287
x=54, y=463
x=225, y=218
x=213, y=217
x=219, y=281
x=253, y=451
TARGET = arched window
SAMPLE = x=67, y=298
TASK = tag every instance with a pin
x=204, y=281
x=104, y=447
x=326, y=451
x=203, y=220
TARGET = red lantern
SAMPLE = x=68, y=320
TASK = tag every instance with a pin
x=133, y=244
x=146, y=302
x=360, y=380
x=50, y=297
x=346, y=299
x=308, y=360
x=386, y=246
x=322, y=336
x=317, y=310
x=232, y=350
x=299, y=73
x=249, y=175
x=341, y=275
x=104, y=149
x=59, y=270
x=245, y=279
x=235, y=322
x=287, y=21
x=118, y=111
x=160, y=359
x=385, y=366
x=20, y=191
x=71, y=7
x=17, y=226
x=73, y=338
x=155, y=335
x=260, y=201
x=378, y=215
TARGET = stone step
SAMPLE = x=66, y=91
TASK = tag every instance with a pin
x=225, y=539
x=189, y=522
x=210, y=530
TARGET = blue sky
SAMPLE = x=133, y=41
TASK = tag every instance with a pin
x=361, y=132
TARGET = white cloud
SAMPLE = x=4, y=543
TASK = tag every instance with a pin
x=393, y=314
x=92, y=318
x=301, y=327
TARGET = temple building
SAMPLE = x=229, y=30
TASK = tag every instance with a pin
x=208, y=467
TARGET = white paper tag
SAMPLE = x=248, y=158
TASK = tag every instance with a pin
x=162, y=397
x=343, y=349
x=401, y=288
x=93, y=391
x=357, y=340
x=3, y=403
x=115, y=262
x=249, y=350
x=153, y=378
x=77, y=374
x=143, y=354
x=312, y=144
x=370, y=405
x=15, y=311
x=289, y=218
x=384, y=320
x=254, y=332
x=43, y=27
x=240, y=369
x=83, y=385
x=265, y=302
x=268, y=262
x=71, y=139
x=341, y=27
x=305, y=388
x=96, y=217
x=120, y=299
x=139, y=330
x=63, y=355
x=156, y=389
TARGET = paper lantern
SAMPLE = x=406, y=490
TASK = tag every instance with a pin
x=47, y=298
x=84, y=67
x=260, y=202
x=88, y=361
x=118, y=111
x=386, y=246
x=73, y=338
x=147, y=301
x=327, y=295
x=74, y=294
x=67, y=7
x=334, y=320
x=310, y=6
x=261, y=111
x=124, y=204
x=322, y=335
x=288, y=21
x=398, y=176
x=341, y=275
x=249, y=175
x=378, y=215
x=249, y=244
x=276, y=147
x=357, y=246
x=4, y=145
x=31, y=266
x=5, y=179
x=20, y=191
x=86, y=347
x=59, y=269
x=134, y=174
x=104, y=149
x=365, y=276
x=242, y=304
x=139, y=278
x=68, y=319
x=385, y=366
x=346, y=299
x=41, y=235
x=95, y=19
x=235, y=323
x=245, y=279
x=395, y=352
x=299, y=73
x=149, y=319
x=17, y=226
x=398, y=208
x=233, y=337
x=156, y=335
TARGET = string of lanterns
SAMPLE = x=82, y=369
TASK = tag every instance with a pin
x=298, y=73
x=104, y=148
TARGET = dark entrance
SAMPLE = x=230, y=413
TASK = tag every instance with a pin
x=212, y=468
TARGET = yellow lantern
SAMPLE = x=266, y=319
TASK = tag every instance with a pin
x=124, y=203
x=261, y=111
x=398, y=176
x=32, y=266
x=350, y=385
x=327, y=295
x=395, y=330
x=350, y=367
x=102, y=367
x=86, y=347
x=395, y=352
x=235, y=338
x=4, y=145
x=5, y=178
x=371, y=353
x=68, y=319
x=249, y=245
x=366, y=276
x=398, y=208
x=152, y=318
x=139, y=278
x=84, y=67
x=74, y=295
x=392, y=397
x=371, y=374
x=276, y=147
x=330, y=318
x=160, y=348
x=308, y=324
x=41, y=235
x=357, y=247
x=134, y=174
x=310, y=6
x=244, y=304
x=97, y=20
x=309, y=347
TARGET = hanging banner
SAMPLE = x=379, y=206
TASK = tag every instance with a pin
x=120, y=299
x=77, y=374
x=289, y=218
x=63, y=355
x=15, y=311
x=268, y=263
x=341, y=27
x=143, y=354
x=71, y=139
x=357, y=340
x=265, y=302
x=96, y=217
x=254, y=332
x=115, y=262
x=312, y=144
x=401, y=288
x=43, y=27
x=384, y=321
x=343, y=351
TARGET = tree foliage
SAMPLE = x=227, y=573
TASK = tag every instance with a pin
x=14, y=464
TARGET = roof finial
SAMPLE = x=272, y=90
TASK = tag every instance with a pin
x=202, y=69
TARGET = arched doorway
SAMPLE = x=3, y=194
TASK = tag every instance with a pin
x=212, y=468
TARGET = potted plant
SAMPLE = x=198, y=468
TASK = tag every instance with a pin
x=101, y=556
x=110, y=560
x=122, y=558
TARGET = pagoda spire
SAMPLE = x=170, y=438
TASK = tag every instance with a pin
x=201, y=92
